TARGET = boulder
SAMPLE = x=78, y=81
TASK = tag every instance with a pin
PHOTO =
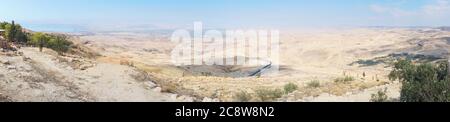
x=157, y=89
x=26, y=58
x=5, y=61
x=11, y=67
x=150, y=85
x=207, y=99
x=86, y=66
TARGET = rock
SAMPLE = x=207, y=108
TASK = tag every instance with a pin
x=5, y=61
x=26, y=58
x=20, y=53
x=349, y=93
x=11, y=67
x=157, y=89
x=207, y=99
x=150, y=85
x=68, y=68
x=185, y=98
x=173, y=96
x=70, y=60
x=85, y=66
x=28, y=69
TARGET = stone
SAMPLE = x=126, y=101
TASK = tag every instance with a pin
x=184, y=98
x=207, y=99
x=150, y=84
x=20, y=53
x=157, y=89
x=11, y=67
x=85, y=66
x=5, y=61
x=28, y=69
x=173, y=96
x=26, y=58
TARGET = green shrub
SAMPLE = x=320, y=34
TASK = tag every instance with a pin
x=380, y=96
x=14, y=32
x=58, y=43
x=313, y=84
x=289, y=88
x=423, y=82
x=242, y=96
x=268, y=94
x=345, y=79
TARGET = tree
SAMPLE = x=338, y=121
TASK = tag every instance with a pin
x=59, y=43
x=3, y=25
x=423, y=82
x=13, y=33
x=10, y=32
x=39, y=39
x=19, y=35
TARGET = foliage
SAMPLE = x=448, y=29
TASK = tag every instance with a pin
x=59, y=43
x=345, y=79
x=380, y=96
x=242, y=96
x=313, y=84
x=13, y=32
x=289, y=88
x=39, y=39
x=268, y=94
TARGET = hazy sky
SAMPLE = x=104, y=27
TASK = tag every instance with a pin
x=229, y=13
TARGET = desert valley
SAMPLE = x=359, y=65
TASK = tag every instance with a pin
x=323, y=65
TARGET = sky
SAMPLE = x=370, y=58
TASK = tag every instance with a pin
x=227, y=13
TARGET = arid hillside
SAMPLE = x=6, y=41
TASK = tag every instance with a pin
x=316, y=65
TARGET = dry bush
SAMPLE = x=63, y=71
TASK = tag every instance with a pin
x=242, y=96
x=266, y=95
x=380, y=96
x=313, y=84
x=289, y=88
x=345, y=79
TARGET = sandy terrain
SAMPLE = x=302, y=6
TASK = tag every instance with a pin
x=120, y=73
x=321, y=55
x=44, y=77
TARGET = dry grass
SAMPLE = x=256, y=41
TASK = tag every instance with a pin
x=334, y=88
x=290, y=87
x=313, y=84
x=266, y=95
x=345, y=79
x=243, y=96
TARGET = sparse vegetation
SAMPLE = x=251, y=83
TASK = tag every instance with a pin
x=380, y=96
x=345, y=79
x=422, y=82
x=289, y=88
x=266, y=95
x=242, y=96
x=59, y=43
x=14, y=33
x=313, y=84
